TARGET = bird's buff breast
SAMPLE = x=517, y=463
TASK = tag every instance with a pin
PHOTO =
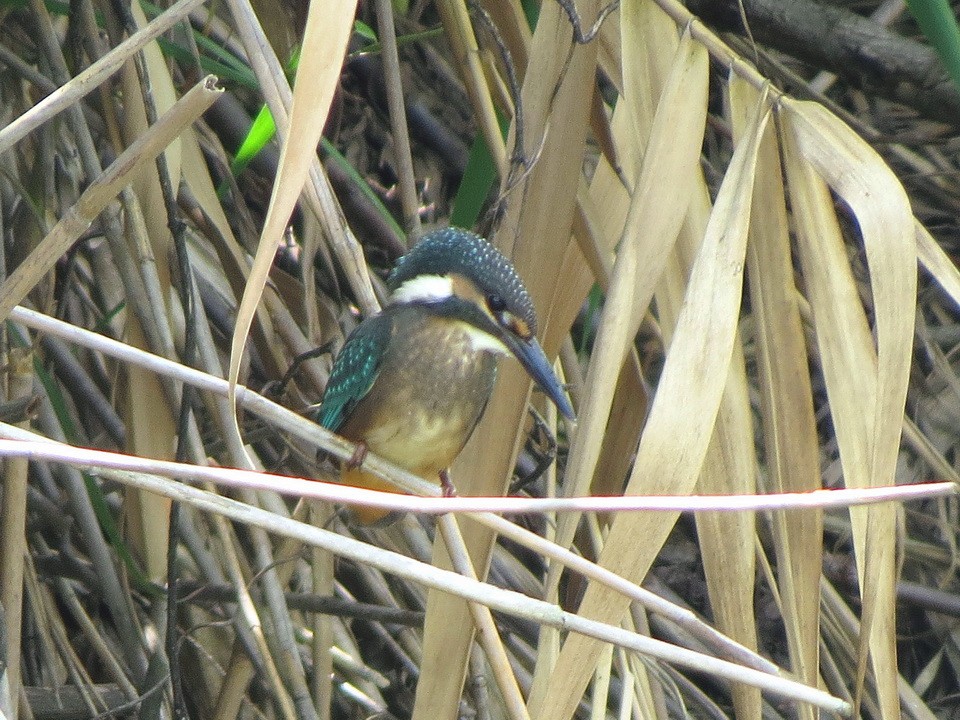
x=422, y=443
x=439, y=386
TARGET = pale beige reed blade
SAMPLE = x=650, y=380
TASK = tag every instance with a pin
x=866, y=383
x=653, y=221
x=787, y=412
x=682, y=417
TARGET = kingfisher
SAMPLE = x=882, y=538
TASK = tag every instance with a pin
x=411, y=383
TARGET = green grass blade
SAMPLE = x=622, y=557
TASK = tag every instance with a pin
x=939, y=25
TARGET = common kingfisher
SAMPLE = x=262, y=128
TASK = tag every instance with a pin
x=411, y=383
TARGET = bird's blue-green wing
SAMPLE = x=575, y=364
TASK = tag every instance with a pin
x=354, y=371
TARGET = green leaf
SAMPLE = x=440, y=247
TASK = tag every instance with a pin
x=293, y=63
x=402, y=40
x=364, y=31
x=939, y=25
x=103, y=324
x=241, y=75
x=214, y=58
x=478, y=178
x=594, y=305
x=531, y=11
x=261, y=132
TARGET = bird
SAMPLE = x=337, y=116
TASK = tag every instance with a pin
x=411, y=382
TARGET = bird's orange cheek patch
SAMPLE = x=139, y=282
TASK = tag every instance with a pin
x=519, y=327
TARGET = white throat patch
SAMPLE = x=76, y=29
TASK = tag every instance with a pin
x=481, y=341
x=423, y=287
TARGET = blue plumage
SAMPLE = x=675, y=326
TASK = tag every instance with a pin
x=354, y=371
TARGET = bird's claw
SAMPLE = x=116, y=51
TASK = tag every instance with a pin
x=359, y=455
x=446, y=484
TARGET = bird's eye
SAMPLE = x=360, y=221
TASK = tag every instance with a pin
x=496, y=303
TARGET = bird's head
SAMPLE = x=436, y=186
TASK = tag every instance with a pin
x=459, y=275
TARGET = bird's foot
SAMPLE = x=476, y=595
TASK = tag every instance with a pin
x=446, y=484
x=359, y=455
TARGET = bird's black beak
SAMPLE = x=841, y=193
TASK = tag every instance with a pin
x=531, y=356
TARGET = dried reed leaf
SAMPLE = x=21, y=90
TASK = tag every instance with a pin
x=146, y=183
x=514, y=28
x=682, y=417
x=463, y=43
x=862, y=179
x=150, y=433
x=627, y=415
x=609, y=58
x=602, y=216
x=631, y=129
x=233, y=264
x=727, y=541
x=647, y=27
x=654, y=218
x=786, y=400
x=866, y=385
x=938, y=263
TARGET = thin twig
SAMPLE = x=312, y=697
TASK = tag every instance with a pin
x=579, y=36
x=430, y=504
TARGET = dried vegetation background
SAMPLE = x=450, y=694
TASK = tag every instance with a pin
x=722, y=239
